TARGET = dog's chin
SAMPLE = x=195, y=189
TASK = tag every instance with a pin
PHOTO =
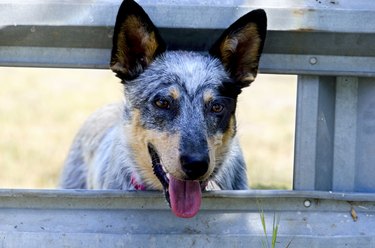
x=184, y=196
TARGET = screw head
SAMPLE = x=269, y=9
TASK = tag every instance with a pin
x=313, y=60
x=307, y=203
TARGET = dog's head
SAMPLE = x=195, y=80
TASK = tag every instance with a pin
x=182, y=104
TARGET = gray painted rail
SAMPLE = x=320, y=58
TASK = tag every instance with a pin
x=328, y=43
x=326, y=37
x=142, y=219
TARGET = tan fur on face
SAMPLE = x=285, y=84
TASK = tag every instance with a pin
x=208, y=96
x=219, y=143
x=174, y=92
x=166, y=145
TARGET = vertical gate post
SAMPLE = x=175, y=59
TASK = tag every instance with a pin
x=344, y=160
x=314, y=133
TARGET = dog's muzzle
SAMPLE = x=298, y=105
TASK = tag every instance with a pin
x=183, y=196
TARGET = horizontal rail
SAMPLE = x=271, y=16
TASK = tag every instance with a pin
x=94, y=218
x=78, y=34
x=32, y=197
x=288, y=15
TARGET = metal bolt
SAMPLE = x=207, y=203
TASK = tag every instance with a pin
x=307, y=203
x=313, y=60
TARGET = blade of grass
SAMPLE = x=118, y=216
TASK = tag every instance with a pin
x=275, y=229
x=263, y=221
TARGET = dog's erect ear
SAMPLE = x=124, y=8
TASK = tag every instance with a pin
x=240, y=46
x=136, y=41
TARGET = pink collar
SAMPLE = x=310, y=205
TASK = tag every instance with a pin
x=135, y=184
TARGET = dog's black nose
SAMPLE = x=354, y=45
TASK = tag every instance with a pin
x=194, y=166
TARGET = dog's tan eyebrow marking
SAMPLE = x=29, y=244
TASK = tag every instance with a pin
x=175, y=93
x=208, y=96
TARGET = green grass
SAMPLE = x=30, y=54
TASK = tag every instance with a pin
x=275, y=229
x=41, y=110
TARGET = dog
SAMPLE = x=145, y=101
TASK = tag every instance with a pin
x=175, y=131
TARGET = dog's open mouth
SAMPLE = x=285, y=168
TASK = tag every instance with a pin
x=184, y=197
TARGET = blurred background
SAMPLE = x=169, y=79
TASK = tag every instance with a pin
x=42, y=109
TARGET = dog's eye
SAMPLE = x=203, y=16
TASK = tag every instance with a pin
x=217, y=108
x=162, y=103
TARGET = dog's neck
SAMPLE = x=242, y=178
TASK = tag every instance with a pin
x=135, y=184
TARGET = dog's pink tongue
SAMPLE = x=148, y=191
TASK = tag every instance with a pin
x=185, y=197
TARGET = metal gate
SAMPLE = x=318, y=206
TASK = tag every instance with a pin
x=329, y=44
